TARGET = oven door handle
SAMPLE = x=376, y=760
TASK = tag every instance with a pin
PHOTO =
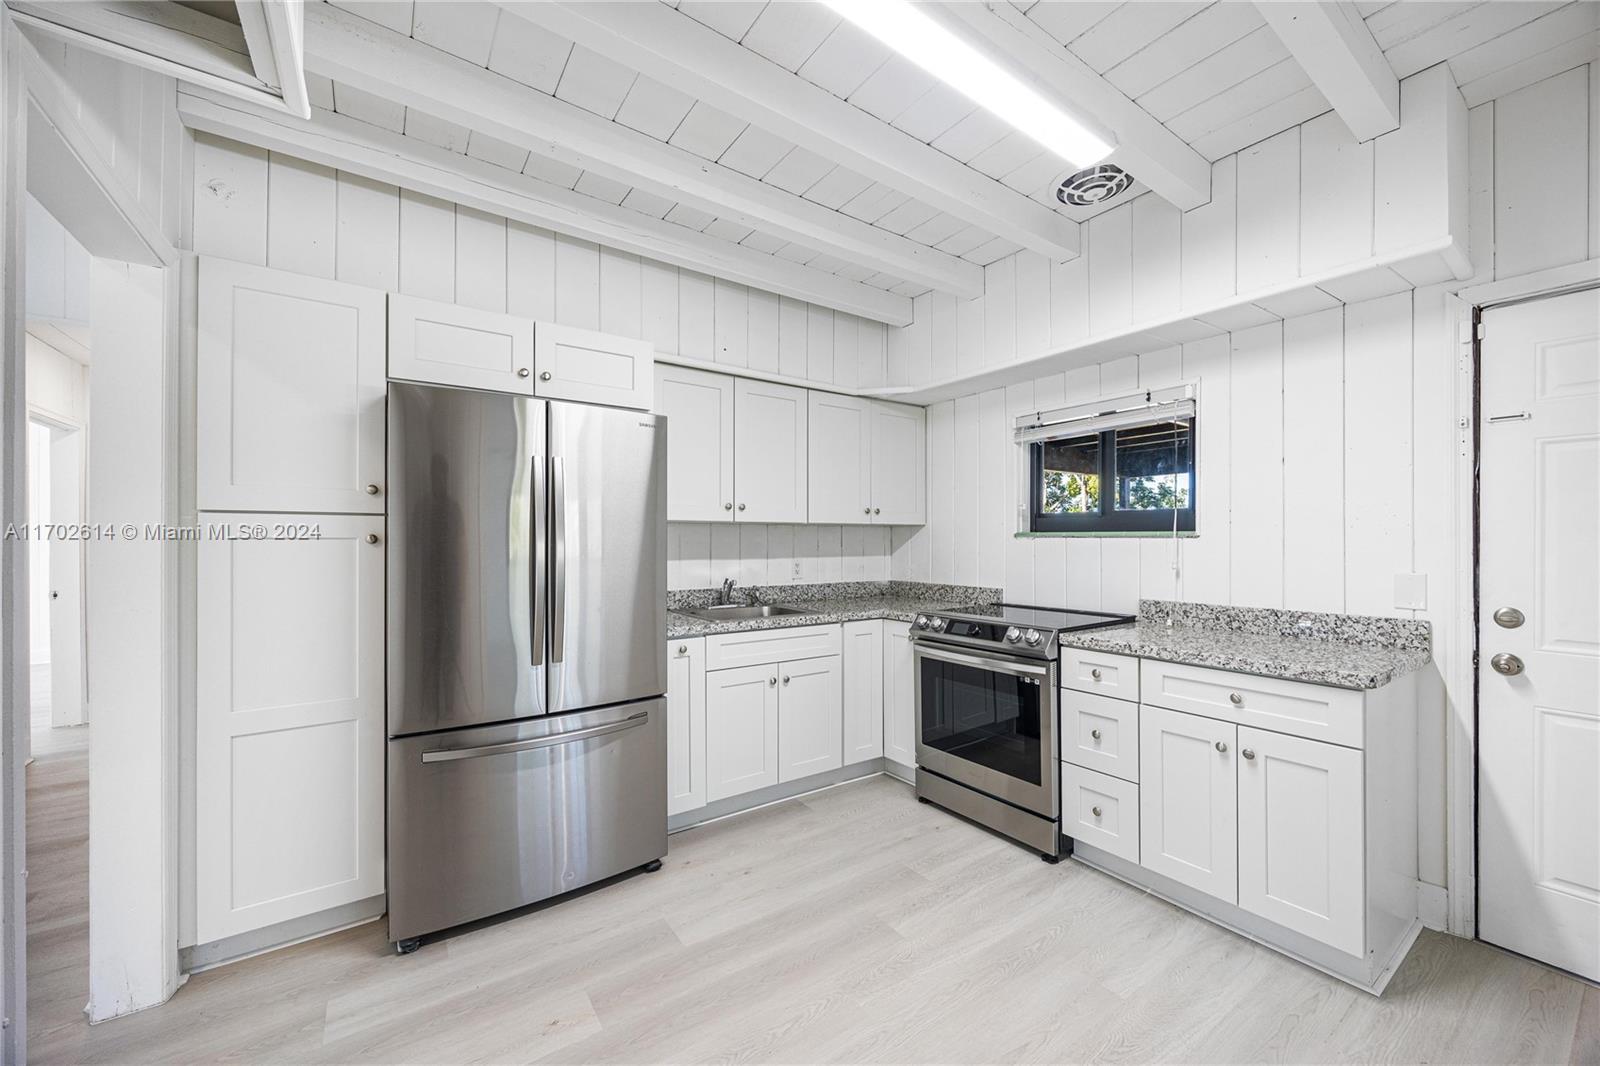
x=1000, y=665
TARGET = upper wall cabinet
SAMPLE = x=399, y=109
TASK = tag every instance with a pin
x=290, y=392
x=590, y=367
x=769, y=452
x=699, y=410
x=448, y=344
x=867, y=461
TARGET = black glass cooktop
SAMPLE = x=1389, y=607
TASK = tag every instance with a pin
x=1026, y=617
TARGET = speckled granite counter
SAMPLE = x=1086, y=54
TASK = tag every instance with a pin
x=1346, y=651
x=850, y=601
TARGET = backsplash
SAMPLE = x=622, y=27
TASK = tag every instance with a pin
x=701, y=555
x=677, y=599
x=1372, y=630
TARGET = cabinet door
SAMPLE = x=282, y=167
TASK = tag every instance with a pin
x=899, y=696
x=590, y=367
x=290, y=389
x=1301, y=852
x=741, y=730
x=863, y=691
x=1188, y=800
x=840, y=468
x=446, y=344
x=699, y=410
x=810, y=718
x=899, y=464
x=289, y=724
x=686, y=725
x=769, y=452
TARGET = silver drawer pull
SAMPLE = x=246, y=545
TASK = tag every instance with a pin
x=1095, y=733
x=772, y=681
x=1248, y=753
x=1095, y=811
x=1221, y=747
x=1095, y=673
x=1235, y=699
x=554, y=739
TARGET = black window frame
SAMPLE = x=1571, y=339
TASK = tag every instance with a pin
x=1109, y=519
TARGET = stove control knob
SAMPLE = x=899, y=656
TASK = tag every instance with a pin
x=1033, y=637
x=1013, y=634
x=938, y=625
x=922, y=621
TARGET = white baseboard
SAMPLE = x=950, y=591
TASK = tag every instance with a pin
x=1433, y=906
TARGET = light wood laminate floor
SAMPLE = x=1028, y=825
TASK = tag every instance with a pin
x=852, y=925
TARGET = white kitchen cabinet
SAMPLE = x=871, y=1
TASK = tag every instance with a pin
x=810, y=718
x=1188, y=800
x=289, y=723
x=864, y=690
x=1301, y=852
x=1100, y=733
x=686, y=725
x=588, y=367
x=899, y=696
x=769, y=452
x=1101, y=810
x=699, y=410
x=839, y=467
x=289, y=392
x=448, y=344
x=899, y=464
x=741, y=730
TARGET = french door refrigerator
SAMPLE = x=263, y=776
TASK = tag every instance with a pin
x=526, y=655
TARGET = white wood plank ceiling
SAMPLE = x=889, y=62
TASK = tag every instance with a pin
x=1215, y=75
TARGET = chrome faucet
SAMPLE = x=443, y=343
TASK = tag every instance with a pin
x=727, y=591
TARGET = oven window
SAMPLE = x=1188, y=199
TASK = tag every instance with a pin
x=983, y=717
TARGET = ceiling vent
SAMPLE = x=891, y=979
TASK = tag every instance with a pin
x=1094, y=186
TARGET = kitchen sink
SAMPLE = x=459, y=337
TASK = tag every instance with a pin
x=738, y=612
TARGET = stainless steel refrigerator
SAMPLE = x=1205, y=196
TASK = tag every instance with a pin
x=526, y=654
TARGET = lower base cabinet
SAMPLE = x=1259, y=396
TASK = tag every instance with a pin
x=899, y=696
x=864, y=703
x=686, y=725
x=741, y=730
x=810, y=718
x=1188, y=800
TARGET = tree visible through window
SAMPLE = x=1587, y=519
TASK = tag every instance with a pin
x=1149, y=470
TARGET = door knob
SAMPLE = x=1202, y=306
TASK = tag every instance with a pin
x=1507, y=664
x=1508, y=618
x=1221, y=747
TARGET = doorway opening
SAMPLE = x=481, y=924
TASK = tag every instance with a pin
x=57, y=628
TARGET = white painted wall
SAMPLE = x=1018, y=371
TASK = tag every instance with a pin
x=1327, y=440
x=38, y=552
x=701, y=555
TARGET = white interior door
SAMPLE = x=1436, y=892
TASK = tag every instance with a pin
x=1539, y=725
x=68, y=685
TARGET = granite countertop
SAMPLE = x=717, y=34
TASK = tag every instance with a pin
x=1345, y=651
x=899, y=601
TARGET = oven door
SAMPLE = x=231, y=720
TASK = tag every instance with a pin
x=989, y=723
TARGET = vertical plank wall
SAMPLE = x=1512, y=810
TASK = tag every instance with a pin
x=262, y=207
x=1327, y=440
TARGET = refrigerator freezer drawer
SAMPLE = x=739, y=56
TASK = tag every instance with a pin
x=490, y=819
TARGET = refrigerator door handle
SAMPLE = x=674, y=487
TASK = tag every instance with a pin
x=536, y=575
x=558, y=549
x=554, y=739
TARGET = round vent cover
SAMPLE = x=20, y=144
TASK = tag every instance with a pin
x=1093, y=186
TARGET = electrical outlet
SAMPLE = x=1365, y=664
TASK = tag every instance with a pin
x=796, y=574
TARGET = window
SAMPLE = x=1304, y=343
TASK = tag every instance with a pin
x=1125, y=479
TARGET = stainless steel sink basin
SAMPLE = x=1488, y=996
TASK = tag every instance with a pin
x=738, y=612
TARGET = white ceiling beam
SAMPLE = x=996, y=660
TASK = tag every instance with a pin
x=673, y=48
x=360, y=148
x=358, y=53
x=274, y=30
x=1333, y=46
x=1145, y=148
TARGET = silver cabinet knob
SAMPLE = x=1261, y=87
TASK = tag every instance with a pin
x=785, y=679
x=372, y=490
x=1248, y=753
x=727, y=507
x=1221, y=747
x=1509, y=618
x=522, y=372
x=1235, y=699
x=372, y=538
x=866, y=510
x=1095, y=811
x=1095, y=673
x=877, y=510
x=1095, y=733
x=741, y=507
x=772, y=681
x=544, y=375
x=1507, y=664
x=683, y=649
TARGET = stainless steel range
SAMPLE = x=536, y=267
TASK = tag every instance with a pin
x=987, y=727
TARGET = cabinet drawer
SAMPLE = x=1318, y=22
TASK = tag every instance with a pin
x=1100, y=673
x=1100, y=733
x=1101, y=810
x=1312, y=711
x=726, y=650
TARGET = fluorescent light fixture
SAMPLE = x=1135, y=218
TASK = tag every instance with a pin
x=898, y=24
